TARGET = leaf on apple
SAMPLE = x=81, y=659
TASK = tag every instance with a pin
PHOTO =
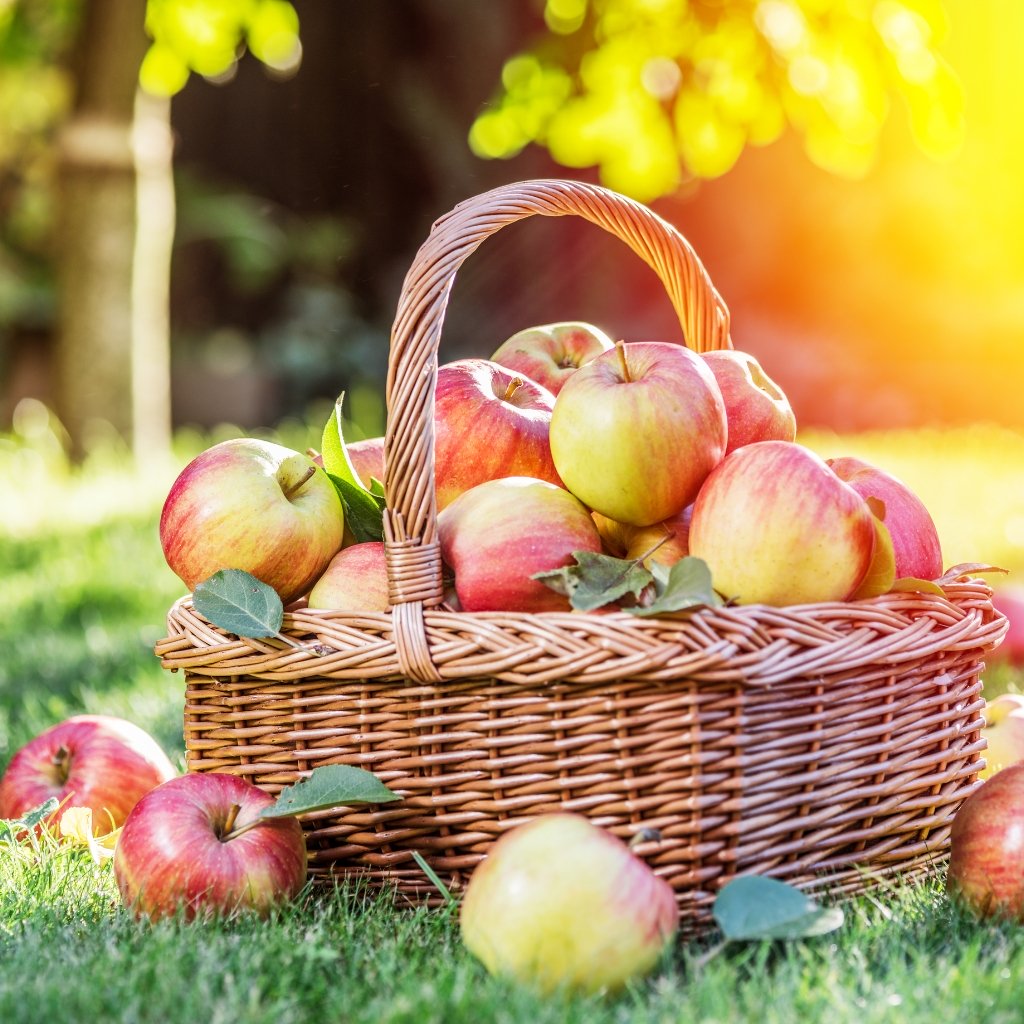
x=331, y=785
x=912, y=585
x=685, y=585
x=596, y=580
x=752, y=907
x=363, y=508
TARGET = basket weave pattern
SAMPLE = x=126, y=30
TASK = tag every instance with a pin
x=826, y=744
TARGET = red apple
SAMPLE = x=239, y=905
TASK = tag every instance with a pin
x=986, y=851
x=496, y=535
x=559, y=903
x=488, y=423
x=550, y=354
x=776, y=526
x=756, y=407
x=367, y=458
x=197, y=845
x=668, y=539
x=253, y=505
x=1004, y=732
x=355, y=581
x=914, y=537
x=1009, y=601
x=636, y=431
x=95, y=761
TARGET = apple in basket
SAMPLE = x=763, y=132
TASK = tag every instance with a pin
x=496, y=535
x=559, y=903
x=196, y=845
x=636, y=430
x=550, y=354
x=356, y=580
x=367, y=458
x=776, y=526
x=488, y=423
x=756, y=407
x=97, y=761
x=986, y=859
x=665, y=542
x=914, y=537
x=1004, y=732
x=253, y=505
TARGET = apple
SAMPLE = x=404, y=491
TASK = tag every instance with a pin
x=986, y=854
x=550, y=354
x=1004, y=732
x=356, y=580
x=488, y=423
x=1009, y=601
x=755, y=406
x=253, y=505
x=635, y=431
x=97, y=761
x=197, y=845
x=496, y=535
x=776, y=526
x=914, y=537
x=367, y=458
x=559, y=903
x=668, y=539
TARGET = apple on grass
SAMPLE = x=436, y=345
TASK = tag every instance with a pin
x=636, y=431
x=1004, y=732
x=915, y=540
x=488, y=423
x=253, y=505
x=356, y=580
x=100, y=762
x=496, y=535
x=559, y=903
x=986, y=855
x=197, y=845
x=776, y=526
x=756, y=407
x=550, y=354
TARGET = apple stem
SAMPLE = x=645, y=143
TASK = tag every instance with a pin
x=298, y=484
x=229, y=824
x=61, y=761
x=654, y=547
x=513, y=386
x=626, y=375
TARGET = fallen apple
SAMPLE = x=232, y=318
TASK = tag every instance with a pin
x=496, y=535
x=356, y=580
x=559, y=903
x=253, y=505
x=756, y=407
x=100, y=762
x=776, y=526
x=986, y=851
x=636, y=431
x=197, y=846
x=1004, y=732
x=550, y=354
x=488, y=423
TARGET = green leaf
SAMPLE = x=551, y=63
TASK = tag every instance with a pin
x=332, y=785
x=596, y=580
x=38, y=814
x=912, y=585
x=752, y=907
x=364, y=510
x=687, y=584
x=239, y=603
x=333, y=451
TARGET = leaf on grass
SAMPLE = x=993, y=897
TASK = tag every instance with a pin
x=912, y=585
x=596, y=580
x=752, y=907
x=687, y=584
x=239, y=603
x=331, y=785
x=39, y=814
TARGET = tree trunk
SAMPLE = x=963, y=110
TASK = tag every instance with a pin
x=115, y=229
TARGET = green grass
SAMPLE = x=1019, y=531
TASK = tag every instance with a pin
x=83, y=594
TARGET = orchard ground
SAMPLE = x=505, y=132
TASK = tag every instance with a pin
x=82, y=600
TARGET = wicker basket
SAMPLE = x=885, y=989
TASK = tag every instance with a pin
x=827, y=745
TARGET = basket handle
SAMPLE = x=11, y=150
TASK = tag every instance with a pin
x=410, y=521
